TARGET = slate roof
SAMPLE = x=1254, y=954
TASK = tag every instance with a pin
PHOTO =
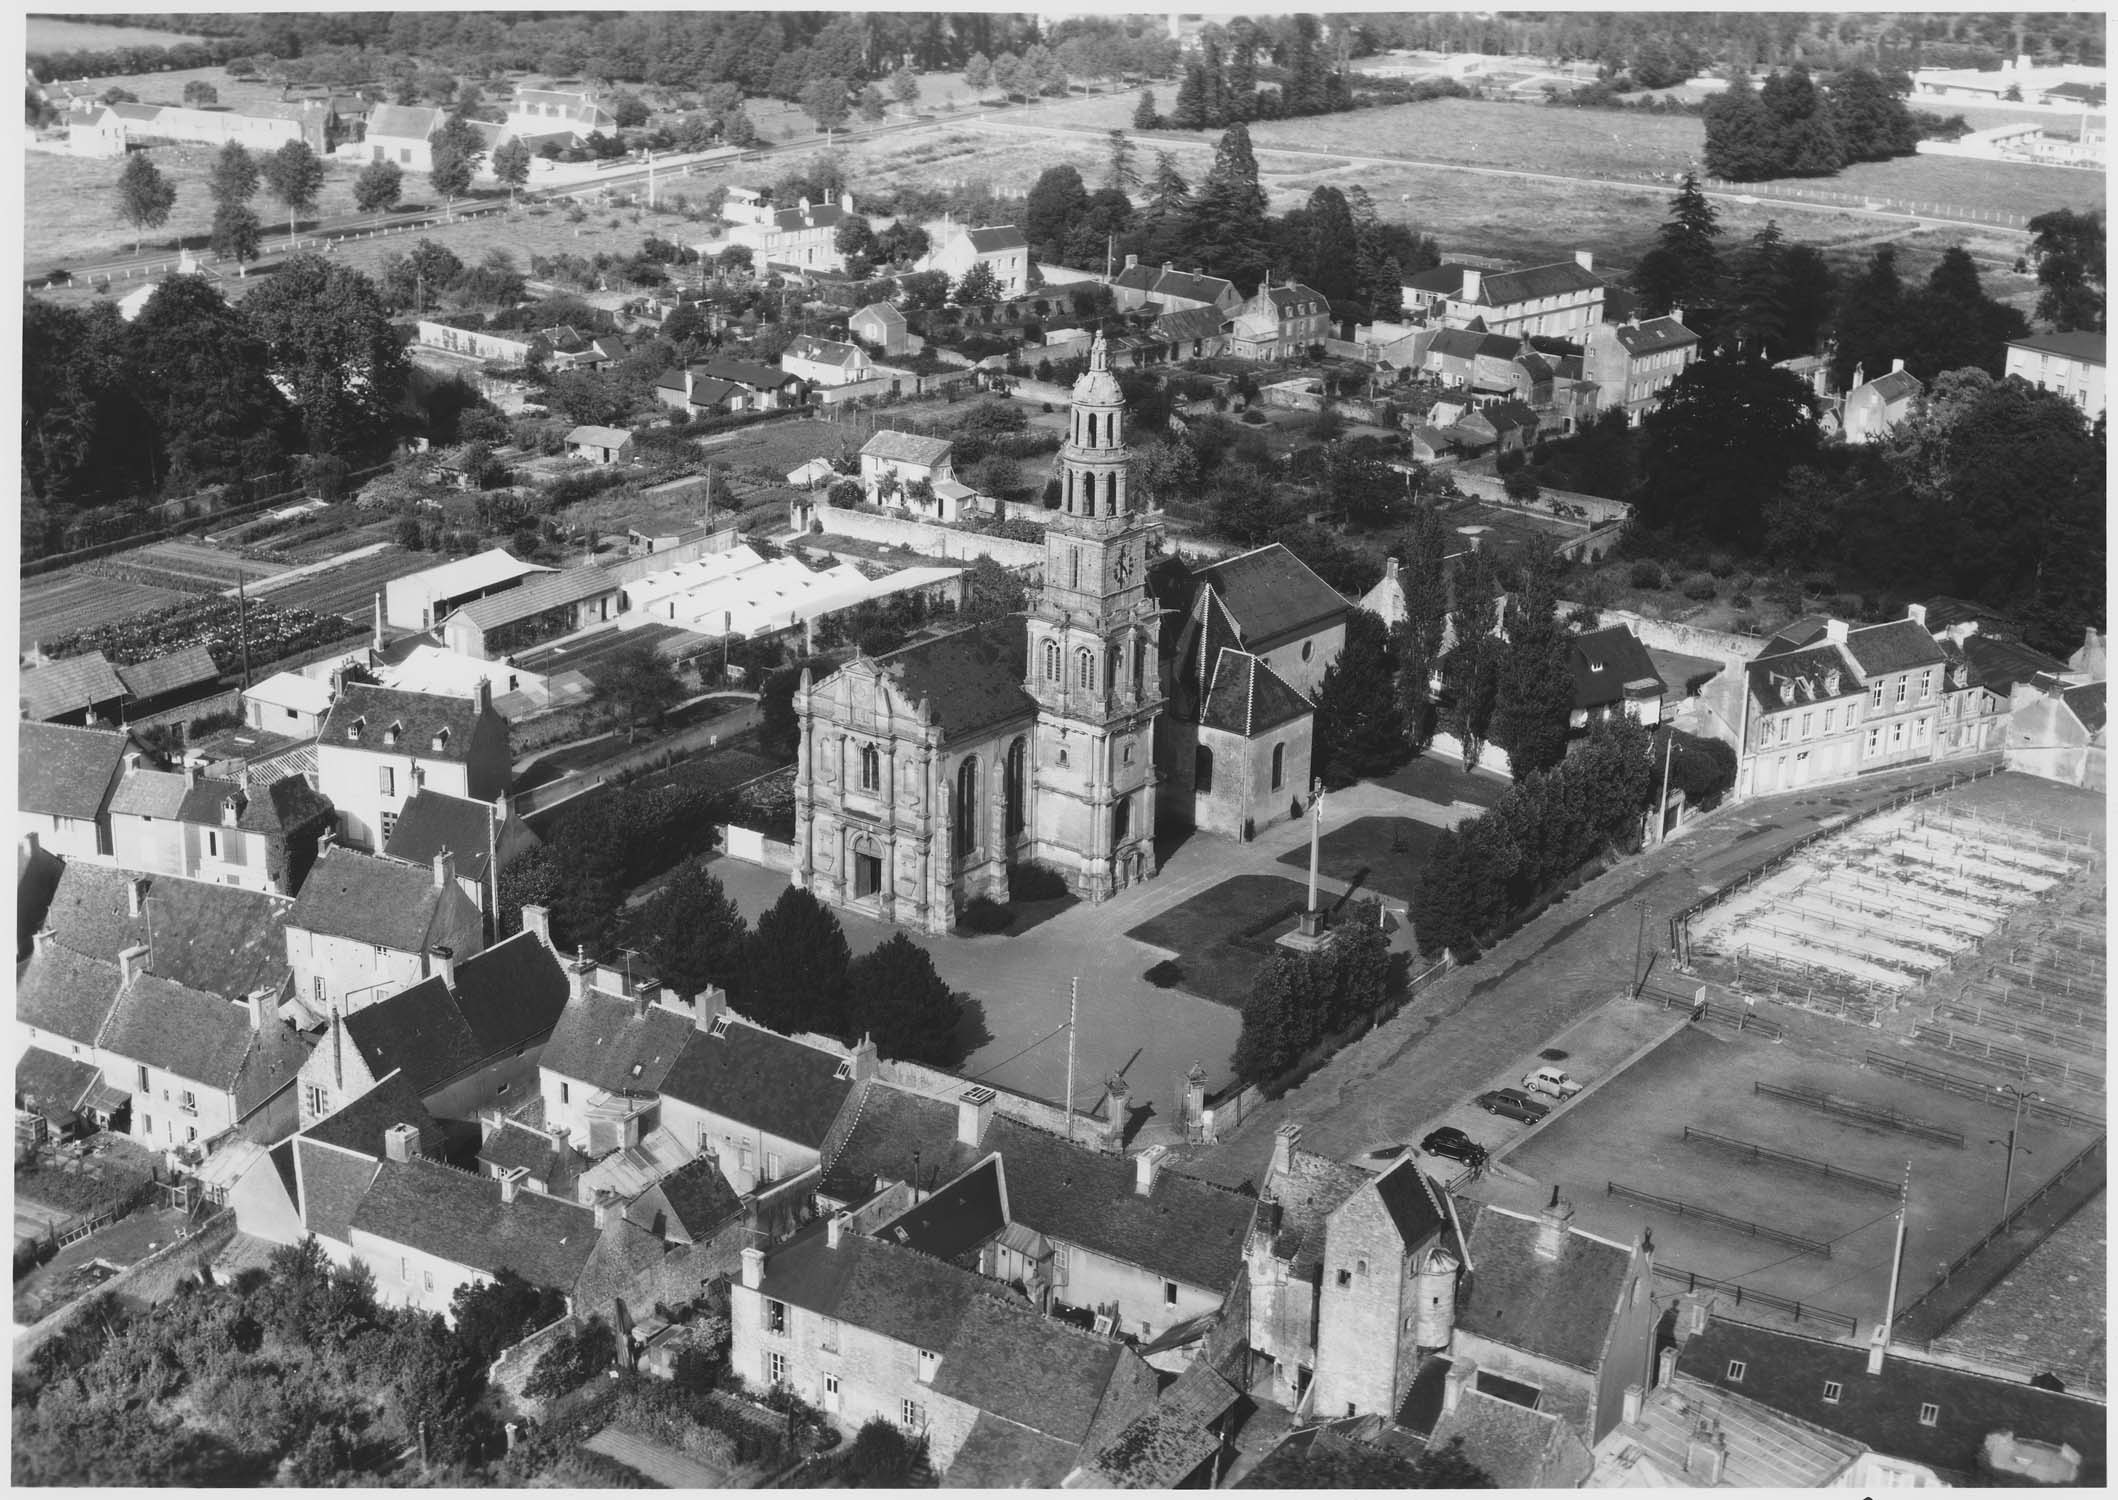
x=1944, y=610
x=1608, y=664
x=433, y=821
x=218, y=938
x=1785, y=1372
x=1898, y=385
x=403, y=120
x=1186, y=1230
x=184, y=668
x=66, y=994
x=1290, y=295
x=1304, y=1196
x=64, y=771
x=599, y=1041
x=333, y=1183
x=2087, y=703
x=515, y=1145
x=1248, y=698
x=894, y=1126
x=1653, y=336
x=999, y=1454
x=1560, y=1309
x=1412, y=1201
x=1896, y=646
x=1808, y=668
x=369, y=899
x=1468, y=343
x=1447, y=279
x=52, y=1085
x=688, y=1204
x=899, y=1294
x=1192, y=286
x=594, y=436
x=1044, y=1375
x=552, y=591
x=418, y=717
x=971, y=679
x=69, y=686
x=995, y=238
x=503, y=999
x=1272, y=595
x=461, y=1218
x=768, y=1082
x=704, y=391
x=823, y=352
x=1533, y=283
x=1765, y=1449
x=1509, y=1442
x=203, y=1039
x=287, y=802
x=149, y=794
x=2084, y=347
x=360, y=1125
x=906, y=447
x=954, y=1219
x=744, y=372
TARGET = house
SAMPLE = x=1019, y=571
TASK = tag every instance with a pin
x=1172, y=290
x=1275, y=607
x=380, y=747
x=827, y=362
x=80, y=689
x=758, y=387
x=882, y=325
x=568, y=113
x=866, y=1329
x=420, y=601
x=65, y=778
x=1613, y=676
x=468, y=1038
x=1000, y=248
x=892, y=463
x=287, y=703
x=475, y=834
x=318, y=1178
x=1802, y=711
x=1633, y=362
x=1284, y=1258
x=1191, y=333
x=1873, y=407
x=1499, y=426
x=1901, y=667
x=198, y=1065
x=1563, y=300
x=1924, y=1421
x=494, y=628
x=67, y=1093
x=263, y=837
x=63, y=1001
x=1688, y=1434
x=221, y=939
x=2059, y=732
x=1471, y=359
x=404, y=134
x=164, y=682
x=697, y=394
x=2069, y=363
x=801, y=238
x=568, y=349
x=366, y=927
x=1279, y=322
x=600, y=445
x=1427, y=292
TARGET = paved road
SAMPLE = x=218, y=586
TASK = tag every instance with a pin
x=1574, y=958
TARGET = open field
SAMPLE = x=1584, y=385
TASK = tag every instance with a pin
x=1484, y=133
x=185, y=561
x=59, y=604
x=50, y=34
x=350, y=588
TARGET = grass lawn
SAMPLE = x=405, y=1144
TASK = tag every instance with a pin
x=1222, y=937
x=50, y=34
x=1372, y=854
x=1435, y=778
x=1486, y=133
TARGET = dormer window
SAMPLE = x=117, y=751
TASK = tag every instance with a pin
x=441, y=740
x=843, y=1071
x=1787, y=690
x=720, y=1025
x=353, y=729
x=389, y=736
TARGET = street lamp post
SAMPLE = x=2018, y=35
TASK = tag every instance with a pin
x=2007, y=1179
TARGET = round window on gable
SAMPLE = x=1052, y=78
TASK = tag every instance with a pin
x=1308, y=649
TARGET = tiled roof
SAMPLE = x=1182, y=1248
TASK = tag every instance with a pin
x=553, y=591
x=369, y=899
x=1044, y=1375
x=1248, y=698
x=165, y=674
x=999, y=237
x=954, y=1219
x=2087, y=703
x=218, y=938
x=767, y=1082
x=601, y=1041
x=1608, y=664
x=688, y=1204
x=883, y=312
x=333, y=1183
x=1273, y=596
x=53, y=1085
x=66, y=772
x=1412, y=1201
x=70, y=687
x=2084, y=347
x=1510, y=1443
x=971, y=679
x=1446, y=279
x=360, y=1125
x=1898, y=385
x=744, y=372
x=202, y=1038
x=998, y=1454
x=1304, y=1196
x=1533, y=283
x=460, y=1218
x=1809, y=669
x=1786, y=1372
x=419, y=718
x=1559, y=1309
x=433, y=821
x=149, y=794
x=906, y=447
x=895, y=1126
x=1191, y=323
x=823, y=352
x=1186, y=1230
x=1653, y=336
x=1893, y=647
x=403, y=120
x=592, y=435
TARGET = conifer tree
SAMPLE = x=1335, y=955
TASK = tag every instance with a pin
x=1683, y=269
x=1230, y=211
x=1360, y=730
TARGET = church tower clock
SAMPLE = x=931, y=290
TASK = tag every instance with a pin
x=1092, y=655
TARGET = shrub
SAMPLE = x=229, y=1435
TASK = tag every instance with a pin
x=1721, y=565
x=1645, y=574
x=1846, y=606
x=1819, y=585
x=1254, y=417
x=1037, y=881
x=1699, y=586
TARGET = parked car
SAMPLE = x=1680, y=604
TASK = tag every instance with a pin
x=1513, y=1104
x=1453, y=1143
x=1555, y=1082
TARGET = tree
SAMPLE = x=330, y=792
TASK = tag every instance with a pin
x=203, y=375
x=491, y=1315
x=1870, y=320
x=824, y=101
x=1360, y=729
x=1869, y=117
x=895, y=995
x=1230, y=210
x=1333, y=265
x=978, y=288
x=378, y=187
x=511, y=164
x=1421, y=575
x=295, y=177
x=1342, y=1465
x=2068, y=248
x=1535, y=692
x=1758, y=312
x=329, y=337
x=234, y=178
x=1145, y=116
x=145, y=196
x=795, y=967
x=237, y=233
x=454, y=155
x=1683, y=269
x=1717, y=447
x=1741, y=143
x=1057, y=201
x=691, y=932
x=881, y=1457
x=1470, y=671
x=572, y=1360
x=1120, y=175
x=978, y=72
x=198, y=94
x=904, y=87
x=639, y=685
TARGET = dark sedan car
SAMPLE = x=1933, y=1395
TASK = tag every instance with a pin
x=1453, y=1143
x=1513, y=1104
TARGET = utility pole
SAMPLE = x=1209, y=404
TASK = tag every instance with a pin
x=1639, y=947
x=1669, y=747
x=2007, y=1179
x=1073, y=1007
x=242, y=623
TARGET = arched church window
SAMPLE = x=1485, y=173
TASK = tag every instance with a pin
x=870, y=769
x=1084, y=668
x=1051, y=661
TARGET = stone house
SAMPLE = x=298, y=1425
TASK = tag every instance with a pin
x=366, y=927
x=1613, y=675
x=1562, y=300
x=1872, y=408
x=881, y=324
x=263, y=838
x=65, y=780
x=891, y=462
x=1633, y=362
x=1279, y=322
x=1000, y=247
x=600, y=445
x=380, y=747
x=2068, y=363
x=1164, y=286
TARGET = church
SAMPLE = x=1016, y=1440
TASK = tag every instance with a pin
x=928, y=774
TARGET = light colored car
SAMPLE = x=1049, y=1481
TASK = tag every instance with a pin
x=1554, y=1082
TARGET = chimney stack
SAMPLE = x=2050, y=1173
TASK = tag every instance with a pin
x=257, y=1001
x=1706, y=1455
x=753, y=1266
x=1586, y=259
x=444, y=870
x=1666, y=1366
x=485, y=694
x=1633, y=1397
x=834, y=1231
x=1145, y=1167
x=974, y=1111
x=1917, y=614
x=538, y=919
x=399, y=1141
x=1116, y=1093
x=1878, y=1345
x=1835, y=631
x=231, y=809
x=1284, y=1142
x=1676, y=315
x=709, y=1003
x=601, y=1207
x=41, y=940
x=1473, y=284
x=377, y=643
x=1131, y=260
x=1896, y=366
x=1552, y=1226
x=511, y=1182
x=132, y=962
x=443, y=963
x=136, y=896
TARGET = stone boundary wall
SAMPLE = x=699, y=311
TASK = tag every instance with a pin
x=1491, y=490
x=1692, y=640
x=928, y=540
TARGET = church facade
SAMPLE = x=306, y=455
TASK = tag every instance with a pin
x=927, y=775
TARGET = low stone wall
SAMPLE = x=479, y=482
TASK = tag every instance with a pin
x=923, y=538
x=1692, y=640
x=512, y=1370
x=752, y=847
x=1490, y=756
x=1493, y=491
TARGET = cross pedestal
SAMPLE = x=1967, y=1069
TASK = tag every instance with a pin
x=1310, y=934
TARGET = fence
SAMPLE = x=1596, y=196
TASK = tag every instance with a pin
x=1874, y=203
x=1888, y=1119
x=1801, y=1312
x=1685, y=1210
x=2022, y=1064
x=1705, y=1011
x=1973, y=1088
x=1761, y=1154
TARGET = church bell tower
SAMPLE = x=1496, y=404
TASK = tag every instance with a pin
x=1093, y=657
